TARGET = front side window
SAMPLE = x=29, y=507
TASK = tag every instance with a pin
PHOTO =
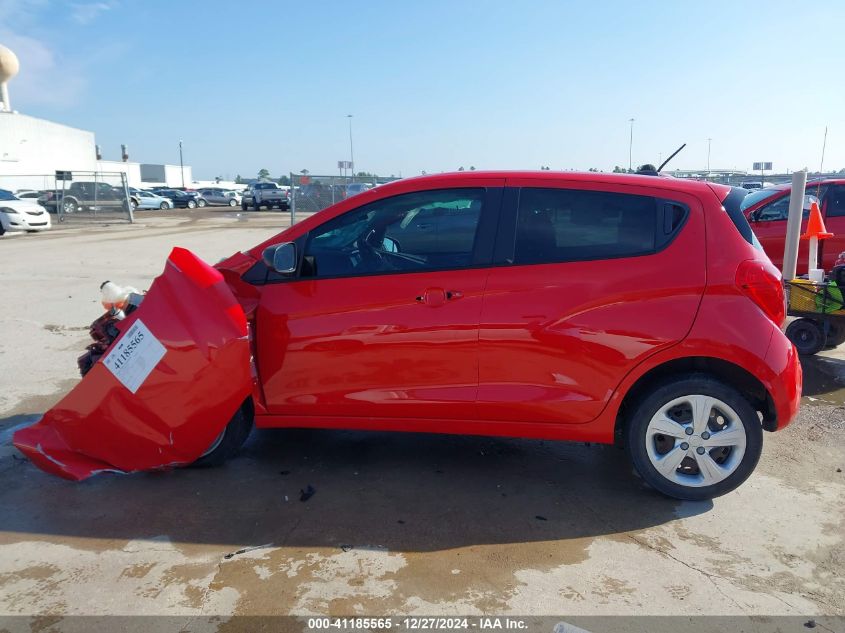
x=558, y=225
x=428, y=230
x=779, y=209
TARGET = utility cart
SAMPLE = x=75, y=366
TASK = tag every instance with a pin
x=820, y=309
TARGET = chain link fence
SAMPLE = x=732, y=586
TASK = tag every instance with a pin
x=311, y=193
x=77, y=196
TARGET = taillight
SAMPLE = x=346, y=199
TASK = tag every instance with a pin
x=761, y=282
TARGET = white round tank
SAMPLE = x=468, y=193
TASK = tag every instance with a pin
x=9, y=67
x=9, y=64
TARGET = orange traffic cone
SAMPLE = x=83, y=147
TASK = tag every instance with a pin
x=815, y=227
x=815, y=232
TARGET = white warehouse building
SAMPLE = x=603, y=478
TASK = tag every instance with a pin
x=32, y=150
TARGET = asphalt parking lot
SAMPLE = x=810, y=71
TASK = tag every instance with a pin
x=399, y=523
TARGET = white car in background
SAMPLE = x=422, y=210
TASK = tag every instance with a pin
x=149, y=200
x=21, y=215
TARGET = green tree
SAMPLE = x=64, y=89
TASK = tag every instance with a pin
x=472, y=168
x=263, y=173
x=619, y=170
x=461, y=168
x=284, y=180
x=238, y=180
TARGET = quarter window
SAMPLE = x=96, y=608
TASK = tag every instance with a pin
x=558, y=225
x=427, y=230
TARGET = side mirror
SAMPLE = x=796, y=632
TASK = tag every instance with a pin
x=281, y=257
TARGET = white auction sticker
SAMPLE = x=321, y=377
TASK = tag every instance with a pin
x=134, y=356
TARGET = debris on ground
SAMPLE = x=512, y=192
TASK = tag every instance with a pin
x=306, y=493
x=245, y=550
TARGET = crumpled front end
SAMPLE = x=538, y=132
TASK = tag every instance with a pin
x=165, y=389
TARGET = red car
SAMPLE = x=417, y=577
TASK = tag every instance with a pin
x=589, y=307
x=767, y=211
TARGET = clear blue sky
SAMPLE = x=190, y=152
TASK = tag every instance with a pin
x=435, y=85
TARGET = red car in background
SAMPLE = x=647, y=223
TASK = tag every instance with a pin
x=767, y=211
x=590, y=307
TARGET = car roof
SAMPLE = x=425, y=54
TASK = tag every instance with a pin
x=574, y=177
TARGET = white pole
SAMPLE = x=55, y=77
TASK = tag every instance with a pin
x=793, y=224
x=814, y=253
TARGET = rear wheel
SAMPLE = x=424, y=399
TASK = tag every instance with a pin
x=233, y=202
x=230, y=439
x=244, y=207
x=807, y=335
x=201, y=202
x=695, y=438
x=69, y=206
x=191, y=204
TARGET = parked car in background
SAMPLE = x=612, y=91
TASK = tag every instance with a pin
x=767, y=211
x=217, y=196
x=265, y=194
x=21, y=214
x=30, y=195
x=756, y=184
x=84, y=196
x=150, y=200
x=354, y=188
x=182, y=199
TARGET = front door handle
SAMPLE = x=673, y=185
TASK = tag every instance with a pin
x=437, y=296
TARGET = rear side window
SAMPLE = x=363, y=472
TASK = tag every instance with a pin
x=559, y=225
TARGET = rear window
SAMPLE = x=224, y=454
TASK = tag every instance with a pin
x=733, y=206
x=559, y=225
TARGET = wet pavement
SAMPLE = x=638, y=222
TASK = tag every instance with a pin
x=397, y=523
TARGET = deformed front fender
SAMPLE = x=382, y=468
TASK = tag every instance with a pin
x=167, y=387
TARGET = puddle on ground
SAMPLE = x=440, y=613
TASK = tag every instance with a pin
x=824, y=380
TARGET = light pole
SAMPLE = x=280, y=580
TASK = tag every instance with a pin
x=351, y=153
x=631, y=146
x=709, y=140
x=181, y=164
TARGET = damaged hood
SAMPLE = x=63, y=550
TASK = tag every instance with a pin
x=166, y=389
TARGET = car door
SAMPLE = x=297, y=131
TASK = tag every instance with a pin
x=381, y=320
x=833, y=208
x=592, y=280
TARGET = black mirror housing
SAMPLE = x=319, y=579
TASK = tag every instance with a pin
x=281, y=257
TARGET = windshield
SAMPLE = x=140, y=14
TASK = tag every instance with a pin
x=7, y=195
x=761, y=194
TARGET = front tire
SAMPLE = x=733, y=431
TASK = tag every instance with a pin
x=694, y=438
x=807, y=336
x=191, y=204
x=233, y=203
x=164, y=206
x=201, y=203
x=230, y=439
